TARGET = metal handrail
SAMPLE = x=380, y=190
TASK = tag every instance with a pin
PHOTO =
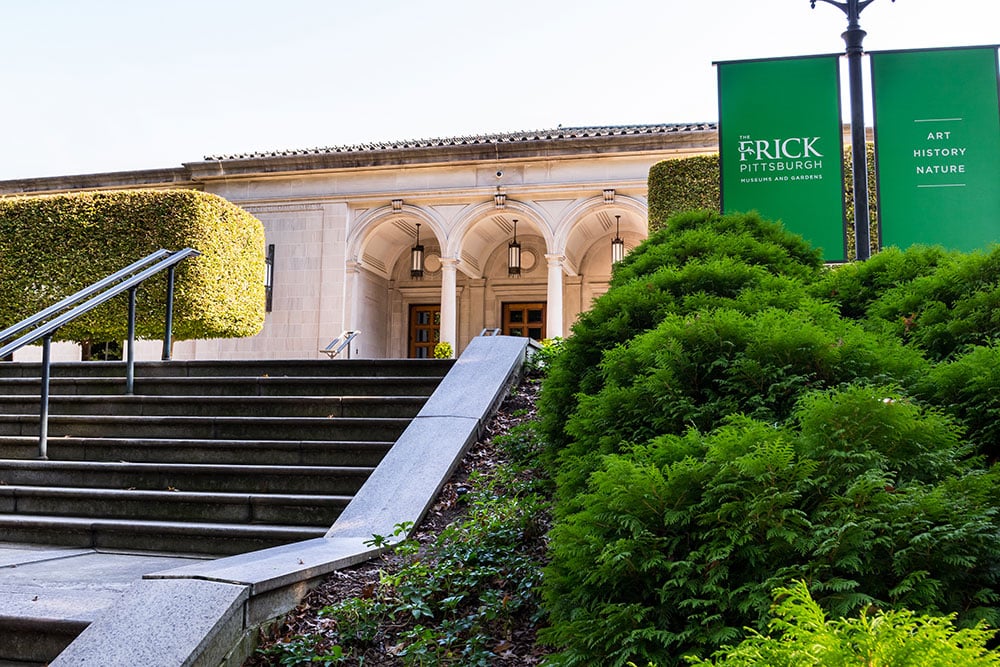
x=95, y=295
x=82, y=294
x=344, y=340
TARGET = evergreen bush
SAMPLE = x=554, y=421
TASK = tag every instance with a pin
x=855, y=286
x=968, y=388
x=954, y=306
x=701, y=260
x=694, y=370
x=802, y=635
x=675, y=544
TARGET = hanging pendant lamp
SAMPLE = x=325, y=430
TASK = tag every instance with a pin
x=617, y=245
x=514, y=255
x=417, y=258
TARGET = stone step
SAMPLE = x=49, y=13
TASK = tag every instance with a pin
x=226, y=386
x=217, y=539
x=248, y=479
x=228, y=406
x=177, y=506
x=202, y=428
x=255, y=368
x=34, y=642
x=187, y=450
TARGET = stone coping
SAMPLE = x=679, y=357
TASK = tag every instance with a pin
x=206, y=613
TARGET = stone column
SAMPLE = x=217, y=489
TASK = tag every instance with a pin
x=449, y=307
x=554, y=296
x=351, y=271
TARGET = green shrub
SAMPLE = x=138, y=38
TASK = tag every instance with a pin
x=694, y=370
x=675, y=546
x=954, y=306
x=539, y=360
x=801, y=635
x=704, y=235
x=968, y=388
x=702, y=260
x=855, y=286
x=52, y=246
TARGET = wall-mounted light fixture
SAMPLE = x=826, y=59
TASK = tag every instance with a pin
x=514, y=255
x=617, y=245
x=417, y=258
x=269, y=278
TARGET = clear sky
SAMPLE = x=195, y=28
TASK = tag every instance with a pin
x=108, y=85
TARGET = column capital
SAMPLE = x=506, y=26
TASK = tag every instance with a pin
x=555, y=258
x=449, y=263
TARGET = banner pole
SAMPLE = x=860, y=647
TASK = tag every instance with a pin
x=853, y=38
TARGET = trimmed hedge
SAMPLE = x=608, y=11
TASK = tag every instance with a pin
x=682, y=185
x=52, y=246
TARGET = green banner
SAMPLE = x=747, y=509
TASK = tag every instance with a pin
x=781, y=145
x=937, y=147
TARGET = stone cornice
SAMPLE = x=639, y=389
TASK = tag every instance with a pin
x=177, y=177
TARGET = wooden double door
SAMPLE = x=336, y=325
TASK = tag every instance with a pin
x=524, y=319
x=519, y=319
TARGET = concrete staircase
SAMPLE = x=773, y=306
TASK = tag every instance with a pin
x=212, y=458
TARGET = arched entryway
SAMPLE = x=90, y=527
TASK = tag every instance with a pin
x=466, y=283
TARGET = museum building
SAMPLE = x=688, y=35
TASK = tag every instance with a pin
x=411, y=243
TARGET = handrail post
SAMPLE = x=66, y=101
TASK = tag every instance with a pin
x=43, y=412
x=169, y=324
x=130, y=344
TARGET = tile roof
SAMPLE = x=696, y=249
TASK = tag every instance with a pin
x=483, y=139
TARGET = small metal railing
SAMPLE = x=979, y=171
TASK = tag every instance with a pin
x=44, y=324
x=337, y=345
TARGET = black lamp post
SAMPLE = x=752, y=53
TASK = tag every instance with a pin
x=853, y=37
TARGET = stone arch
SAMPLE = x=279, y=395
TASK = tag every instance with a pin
x=381, y=234
x=574, y=238
x=473, y=239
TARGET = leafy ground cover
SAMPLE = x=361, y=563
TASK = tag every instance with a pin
x=463, y=590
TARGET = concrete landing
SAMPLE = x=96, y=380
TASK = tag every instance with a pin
x=49, y=594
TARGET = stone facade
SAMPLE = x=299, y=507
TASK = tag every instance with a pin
x=343, y=221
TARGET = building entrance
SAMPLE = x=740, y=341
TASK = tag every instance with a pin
x=524, y=319
x=425, y=330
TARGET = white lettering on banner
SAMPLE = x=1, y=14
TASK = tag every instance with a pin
x=791, y=165
x=941, y=169
x=938, y=152
x=785, y=158
x=948, y=153
x=779, y=149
